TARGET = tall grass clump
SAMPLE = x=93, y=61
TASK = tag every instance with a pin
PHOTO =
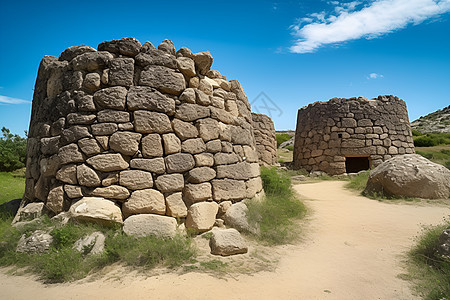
x=429, y=270
x=276, y=212
x=359, y=181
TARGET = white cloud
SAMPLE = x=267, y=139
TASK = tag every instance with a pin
x=9, y=100
x=374, y=76
x=370, y=21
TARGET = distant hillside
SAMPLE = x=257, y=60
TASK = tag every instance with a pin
x=438, y=121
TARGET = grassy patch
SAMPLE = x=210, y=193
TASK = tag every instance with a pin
x=276, y=213
x=63, y=263
x=358, y=182
x=285, y=155
x=282, y=137
x=12, y=186
x=429, y=271
x=438, y=154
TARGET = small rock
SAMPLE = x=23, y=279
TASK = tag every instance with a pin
x=38, y=242
x=227, y=242
x=91, y=244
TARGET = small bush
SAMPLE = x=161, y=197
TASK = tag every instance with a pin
x=425, y=141
x=282, y=137
x=276, y=183
x=290, y=148
x=416, y=132
x=430, y=271
x=277, y=211
x=432, y=139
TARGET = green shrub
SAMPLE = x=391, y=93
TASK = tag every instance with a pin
x=276, y=182
x=425, y=141
x=12, y=151
x=430, y=271
x=282, y=137
x=290, y=148
x=432, y=139
x=275, y=214
x=416, y=132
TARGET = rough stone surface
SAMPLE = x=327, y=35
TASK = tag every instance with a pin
x=111, y=192
x=124, y=142
x=179, y=163
x=228, y=189
x=175, y=205
x=227, y=242
x=201, y=174
x=154, y=165
x=236, y=217
x=410, y=175
x=202, y=216
x=108, y=162
x=331, y=134
x=93, y=243
x=29, y=212
x=198, y=192
x=96, y=210
x=148, y=201
x=170, y=183
x=136, y=179
x=38, y=242
x=265, y=138
x=128, y=118
x=149, y=224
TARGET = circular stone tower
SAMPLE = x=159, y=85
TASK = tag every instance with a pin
x=151, y=131
x=350, y=135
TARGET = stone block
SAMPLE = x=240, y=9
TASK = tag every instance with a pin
x=148, y=201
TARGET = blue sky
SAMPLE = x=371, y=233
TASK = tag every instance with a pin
x=294, y=52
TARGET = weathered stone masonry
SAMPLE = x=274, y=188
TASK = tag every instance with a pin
x=347, y=135
x=151, y=130
x=266, y=141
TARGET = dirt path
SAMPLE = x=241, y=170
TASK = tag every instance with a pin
x=352, y=250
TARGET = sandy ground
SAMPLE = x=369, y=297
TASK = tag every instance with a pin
x=352, y=249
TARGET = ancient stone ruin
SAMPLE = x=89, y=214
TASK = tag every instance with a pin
x=266, y=142
x=350, y=135
x=138, y=133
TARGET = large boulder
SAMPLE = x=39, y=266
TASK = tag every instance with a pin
x=409, y=175
x=150, y=224
x=227, y=242
x=96, y=210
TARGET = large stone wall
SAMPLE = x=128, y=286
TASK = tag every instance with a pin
x=266, y=142
x=329, y=133
x=153, y=130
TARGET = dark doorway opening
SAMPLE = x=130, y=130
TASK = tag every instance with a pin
x=356, y=164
